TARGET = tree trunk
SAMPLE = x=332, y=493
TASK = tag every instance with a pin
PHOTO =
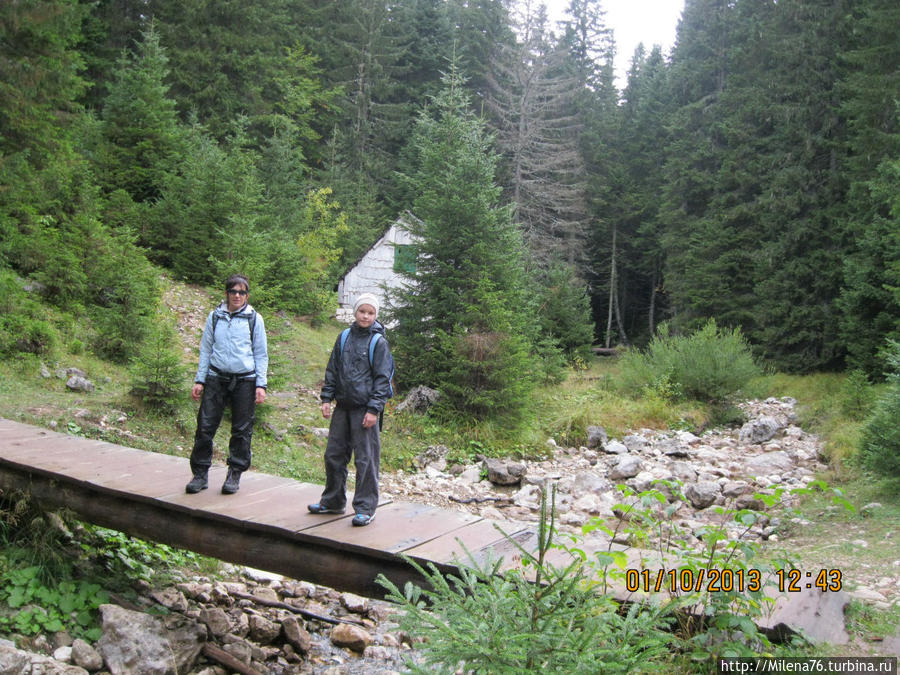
x=612, y=288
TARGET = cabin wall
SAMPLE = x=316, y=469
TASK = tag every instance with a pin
x=374, y=272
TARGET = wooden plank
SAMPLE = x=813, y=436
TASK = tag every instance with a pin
x=397, y=527
x=478, y=537
x=57, y=452
x=315, y=560
x=263, y=499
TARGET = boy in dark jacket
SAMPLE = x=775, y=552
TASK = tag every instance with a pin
x=360, y=387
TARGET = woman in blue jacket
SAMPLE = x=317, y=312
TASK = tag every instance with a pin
x=234, y=360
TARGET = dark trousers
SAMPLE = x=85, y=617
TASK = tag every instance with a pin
x=346, y=437
x=240, y=395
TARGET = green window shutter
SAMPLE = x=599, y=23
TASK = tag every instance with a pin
x=405, y=259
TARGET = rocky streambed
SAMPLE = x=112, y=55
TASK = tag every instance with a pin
x=262, y=623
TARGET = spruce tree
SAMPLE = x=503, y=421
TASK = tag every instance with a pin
x=464, y=324
x=870, y=297
x=140, y=123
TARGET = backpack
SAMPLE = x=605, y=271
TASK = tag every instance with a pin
x=372, y=342
x=251, y=319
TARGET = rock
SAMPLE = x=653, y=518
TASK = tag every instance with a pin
x=136, y=642
x=216, y=620
x=265, y=593
x=588, y=481
x=769, y=463
x=63, y=654
x=419, y=399
x=734, y=488
x=867, y=595
x=296, y=635
x=529, y=497
x=170, y=598
x=500, y=472
x=635, y=443
x=84, y=655
x=817, y=615
x=470, y=476
x=627, y=466
x=350, y=636
x=702, y=494
x=642, y=482
x=14, y=661
x=748, y=501
x=615, y=448
x=759, y=430
x=596, y=437
x=687, y=437
x=354, y=603
x=76, y=383
x=262, y=630
x=683, y=471
x=434, y=455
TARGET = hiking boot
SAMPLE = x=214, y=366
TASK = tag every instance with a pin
x=198, y=482
x=318, y=508
x=362, y=519
x=232, y=482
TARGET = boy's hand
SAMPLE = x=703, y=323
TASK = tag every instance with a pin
x=370, y=420
x=326, y=409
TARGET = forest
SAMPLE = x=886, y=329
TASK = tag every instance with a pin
x=750, y=176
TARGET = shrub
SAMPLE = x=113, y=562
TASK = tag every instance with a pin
x=880, y=443
x=123, y=292
x=156, y=374
x=538, y=618
x=22, y=326
x=710, y=365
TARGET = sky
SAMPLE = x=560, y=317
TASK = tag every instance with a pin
x=632, y=21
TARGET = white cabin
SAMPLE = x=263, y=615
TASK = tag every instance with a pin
x=380, y=269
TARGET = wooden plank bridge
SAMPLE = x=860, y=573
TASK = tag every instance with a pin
x=265, y=525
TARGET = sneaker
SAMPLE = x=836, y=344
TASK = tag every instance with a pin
x=318, y=508
x=362, y=519
x=197, y=483
x=232, y=482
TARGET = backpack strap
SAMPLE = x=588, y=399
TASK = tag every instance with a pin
x=344, y=334
x=372, y=344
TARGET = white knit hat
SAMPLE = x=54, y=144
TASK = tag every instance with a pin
x=366, y=299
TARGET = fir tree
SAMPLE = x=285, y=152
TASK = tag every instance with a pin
x=463, y=327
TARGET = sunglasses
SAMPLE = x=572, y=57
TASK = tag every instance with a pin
x=232, y=291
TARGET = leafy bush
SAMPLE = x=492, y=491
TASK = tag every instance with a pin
x=66, y=606
x=880, y=444
x=22, y=324
x=710, y=365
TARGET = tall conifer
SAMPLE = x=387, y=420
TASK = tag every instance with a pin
x=464, y=325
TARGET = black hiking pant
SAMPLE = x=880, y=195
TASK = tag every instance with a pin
x=240, y=395
x=346, y=437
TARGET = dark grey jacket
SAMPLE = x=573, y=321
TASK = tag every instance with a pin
x=350, y=380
